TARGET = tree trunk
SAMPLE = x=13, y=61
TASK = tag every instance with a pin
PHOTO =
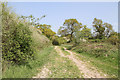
x=71, y=36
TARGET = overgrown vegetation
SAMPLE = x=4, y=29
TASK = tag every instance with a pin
x=102, y=55
x=26, y=45
x=100, y=48
x=75, y=32
x=16, y=38
x=31, y=68
x=21, y=42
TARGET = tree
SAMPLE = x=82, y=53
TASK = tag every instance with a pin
x=70, y=26
x=101, y=29
x=108, y=30
x=85, y=33
x=49, y=33
x=43, y=27
x=32, y=20
x=46, y=30
x=98, y=27
x=113, y=38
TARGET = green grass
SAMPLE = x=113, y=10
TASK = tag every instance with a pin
x=39, y=40
x=59, y=67
x=29, y=70
x=63, y=68
x=103, y=65
x=96, y=54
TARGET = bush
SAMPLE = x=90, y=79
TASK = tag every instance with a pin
x=58, y=40
x=62, y=48
x=17, y=47
x=79, y=50
x=69, y=47
x=95, y=49
x=16, y=38
x=96, y=40
x=55, y=42
x=113, y=40
x=98, y=52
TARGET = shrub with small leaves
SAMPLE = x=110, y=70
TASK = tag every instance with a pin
x=16, y=38
x=113, y=40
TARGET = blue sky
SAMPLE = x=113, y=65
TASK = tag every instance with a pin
x=57, y=12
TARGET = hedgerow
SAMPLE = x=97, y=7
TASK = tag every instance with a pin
x=16, y=38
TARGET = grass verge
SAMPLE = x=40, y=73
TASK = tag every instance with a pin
x=103, y=65
x=30, y=69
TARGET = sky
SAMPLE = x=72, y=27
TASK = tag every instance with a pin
x=57, y=12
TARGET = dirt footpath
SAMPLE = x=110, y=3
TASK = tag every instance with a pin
x=87, y=72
